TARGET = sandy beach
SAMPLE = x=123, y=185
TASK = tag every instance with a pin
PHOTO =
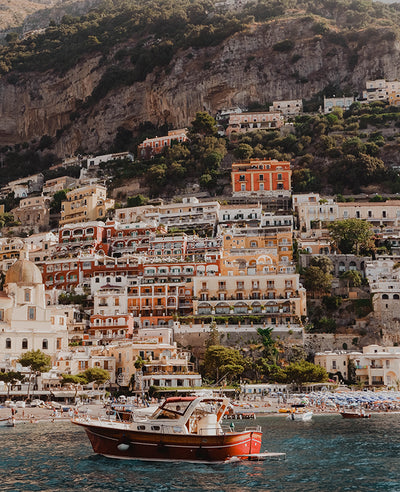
x=261, y=408
x=39, y=414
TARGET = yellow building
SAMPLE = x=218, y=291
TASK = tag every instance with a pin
x=257, y=250
x=163, y=365
x=279, y=299
x=84, y=204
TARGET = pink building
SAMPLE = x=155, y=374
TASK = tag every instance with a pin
x=153, y=146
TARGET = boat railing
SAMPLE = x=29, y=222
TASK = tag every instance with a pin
x=255, y=428
x=210, y=431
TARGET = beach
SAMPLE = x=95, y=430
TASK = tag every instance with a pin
x=319, y=403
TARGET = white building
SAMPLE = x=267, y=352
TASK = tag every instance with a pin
x=314, y=211
x=337, y=102
x=26, y=323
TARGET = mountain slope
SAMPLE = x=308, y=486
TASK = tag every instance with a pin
x=283, y=57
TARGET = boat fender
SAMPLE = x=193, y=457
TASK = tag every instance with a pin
x=123, y=444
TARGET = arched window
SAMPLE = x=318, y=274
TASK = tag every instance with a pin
x=396, y=296
x=385, y=296
x=27, y=295
x=24, y=343
x=45, y=344
x=8, y=343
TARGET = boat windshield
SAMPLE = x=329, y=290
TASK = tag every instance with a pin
x=171, y=410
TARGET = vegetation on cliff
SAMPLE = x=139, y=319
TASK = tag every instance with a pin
x=135, y=36
x=334, y=153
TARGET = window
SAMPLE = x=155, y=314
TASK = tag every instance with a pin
x=45, y=344
x=279, y=177
x=31, y=313
x=27, y=295
x=24, y=343
x=8, y=343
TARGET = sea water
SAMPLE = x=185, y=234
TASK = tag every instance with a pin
x=326, y=454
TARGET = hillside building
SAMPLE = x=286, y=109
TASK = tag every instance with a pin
x=153, y=146
x=287, y=108
x=247, y=122
x=84, y=204
x=260, y=177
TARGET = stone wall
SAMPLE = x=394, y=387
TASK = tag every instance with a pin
x=319, y=342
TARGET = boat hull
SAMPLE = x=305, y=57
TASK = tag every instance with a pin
x=129, y=444
x=301, y=417
x=355, y=415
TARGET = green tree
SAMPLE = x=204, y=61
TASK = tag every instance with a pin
x=220, y=362
x=136, y=201
x=352, y=278
x=322, y=262
x=272, y=372
x=305, y=372
x=214, y=336
x=73, y=380
x=58, y=198
x=139, y=363
x=243, y=151
x=351, y=372
x=204, y=124
x=37, y=361
x=270, y=351
x=11, y=378
x=351, y=236
x=96, y=375
x=316, y=280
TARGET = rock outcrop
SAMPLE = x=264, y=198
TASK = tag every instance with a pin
x=244, y=68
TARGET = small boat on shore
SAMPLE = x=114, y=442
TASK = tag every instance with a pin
x=355, y=414
x=181, y=429
x=7, y=422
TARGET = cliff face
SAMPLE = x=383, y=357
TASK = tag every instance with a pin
x=244, y=68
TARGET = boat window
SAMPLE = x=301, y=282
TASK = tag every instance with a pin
x=155, y=427
x=141, y=427
x=172, y=409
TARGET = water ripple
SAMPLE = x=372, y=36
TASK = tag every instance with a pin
x=328, y=453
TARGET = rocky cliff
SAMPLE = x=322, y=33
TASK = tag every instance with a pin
x=245, y=67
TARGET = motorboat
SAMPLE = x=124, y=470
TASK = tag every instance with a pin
x=299, y=413
x=181, y=429
x=302, y=416
x=355, y=414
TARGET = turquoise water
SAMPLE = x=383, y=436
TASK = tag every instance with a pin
x=326, y=454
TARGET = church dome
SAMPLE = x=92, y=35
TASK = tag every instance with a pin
x=23, y=272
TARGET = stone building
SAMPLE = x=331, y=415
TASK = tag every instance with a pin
x=34, y=213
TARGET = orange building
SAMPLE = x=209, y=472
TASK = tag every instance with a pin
x=261, y=177
x=153, y=146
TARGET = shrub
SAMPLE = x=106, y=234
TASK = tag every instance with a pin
x=284, y=46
